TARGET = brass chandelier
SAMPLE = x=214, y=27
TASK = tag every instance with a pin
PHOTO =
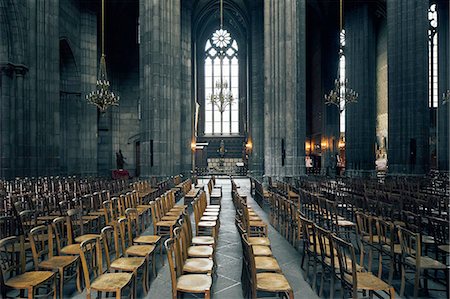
x=103, y=97
x=341, y=94
x=222, y=96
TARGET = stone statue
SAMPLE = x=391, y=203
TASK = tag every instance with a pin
x=120, y=160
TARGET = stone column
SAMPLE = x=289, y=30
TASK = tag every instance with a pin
x=6, y=154
x=187, y=102
x=20, y=133
x=256, y=101
x=360, y=57
x=160, y=90
x=444, y=84
x=408, y=148
x=284, y=96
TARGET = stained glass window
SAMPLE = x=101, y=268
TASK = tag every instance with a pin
x=221, y=76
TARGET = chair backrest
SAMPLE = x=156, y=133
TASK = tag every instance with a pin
x=133, y=222
x=249, y=259
x=325, y=244
x=41, y=239
x=121, y=204
x=155, y=217
x=347, y=263
x=387, y=233
x=410, y=243
x=91, y=260
x=309, y=233
x=10, y=264
x=126, y=239
x=75, y=216
x=180, y=248
x=170, y=248
x=439, y=229
x=62, y=229
x=110, y=244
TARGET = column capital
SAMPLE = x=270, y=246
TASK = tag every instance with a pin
x=10, y=68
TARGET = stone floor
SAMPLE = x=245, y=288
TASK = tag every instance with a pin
x=227, y=283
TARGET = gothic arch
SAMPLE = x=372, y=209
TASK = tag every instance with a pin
x=70, y=101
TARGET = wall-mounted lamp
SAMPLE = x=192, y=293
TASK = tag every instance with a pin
x=324, y=144
x=249, y=146
x=307, y=147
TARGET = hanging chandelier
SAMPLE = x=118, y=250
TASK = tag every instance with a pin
x=102, y=96
x=341, y=94
x=221, y=97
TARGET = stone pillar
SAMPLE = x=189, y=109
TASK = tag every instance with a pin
x=6, y=154
x=360, y=57
x=408, y=148
x=284, y=87
x=160, y=90
x=20, y=133
x=187, y=102
x=444, y=84
x=256, y=101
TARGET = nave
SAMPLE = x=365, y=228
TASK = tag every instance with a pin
x=250, y=211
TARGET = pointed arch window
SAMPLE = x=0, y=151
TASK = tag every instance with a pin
x=221, y=80
x=433, y=96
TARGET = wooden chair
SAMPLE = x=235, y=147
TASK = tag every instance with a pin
x=75, y=227
x=263, y=263
x=194, y=250
x=137, y=234
x=328, y=259
x=186, y=283
x=198, y=240
x=110, y=241
x=199, y=265
x=389, y=246
x=163, y=228
x=12, y=274
x=130, y=249
x=412, y=259
x=367, y=237
x=42, y=249
x=310, y=248
x=266, y=281
x=91, y=261
x=353, y=280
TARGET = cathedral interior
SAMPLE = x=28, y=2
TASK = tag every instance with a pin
x=224, y=148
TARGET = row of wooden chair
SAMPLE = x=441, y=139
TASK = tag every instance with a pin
x=337, y=258
x=191, y=261
x=261, y=271
x=207, y=217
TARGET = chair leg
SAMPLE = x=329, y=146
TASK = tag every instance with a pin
x=369, y=267
x=380, y=264
x=391, y=269
x=416, y=283
x=402, y=287
x=79, y=277
x=391, y=293
x=61, y=283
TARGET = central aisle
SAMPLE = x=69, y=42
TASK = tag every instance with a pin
x=227, y=283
